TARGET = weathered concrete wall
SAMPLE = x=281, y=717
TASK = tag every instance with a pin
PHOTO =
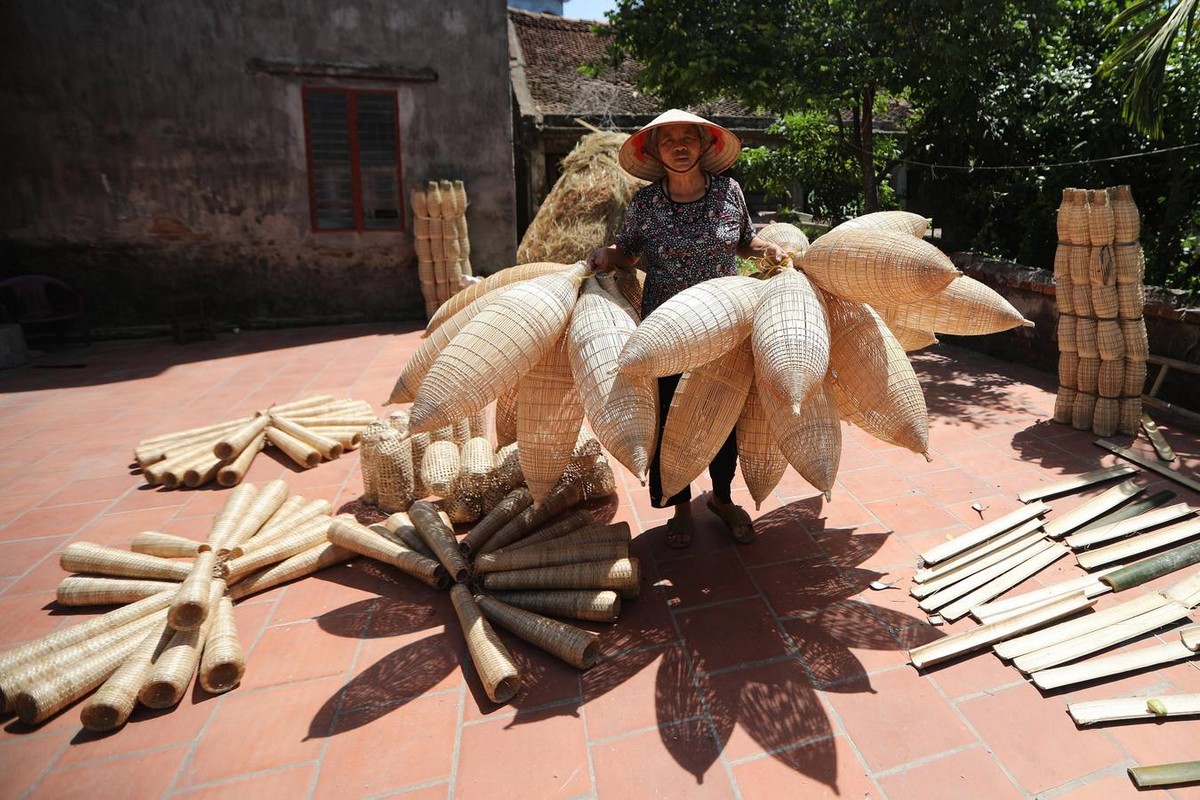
x=1172, y=328
x=142, y=156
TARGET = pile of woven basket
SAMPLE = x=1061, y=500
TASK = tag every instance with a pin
x=440, y=239
x=1098, y=271
x=784, y=356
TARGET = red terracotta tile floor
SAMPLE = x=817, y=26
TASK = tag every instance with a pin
x=761, y=671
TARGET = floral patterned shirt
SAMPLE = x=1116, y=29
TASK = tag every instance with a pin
x=683, y=244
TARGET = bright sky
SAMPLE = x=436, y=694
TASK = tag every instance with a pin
x=588, y=9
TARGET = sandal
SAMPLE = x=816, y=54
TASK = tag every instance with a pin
x=679, y=532
x=741, y=528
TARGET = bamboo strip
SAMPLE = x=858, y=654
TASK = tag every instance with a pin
x=1142, y=461
x=549, y=556
x=1107, y=666
x=509, y=507
x=304, y=536
x=172, y=671
x=619, y=574
x=948, y=572
x=1060, y=526
x=328, y=448
x=1035, y=546
x=191, y=606
x=164, y=545
x=98, y=559
x=229, y=446
x=1075, y=482
x=577, y=647
x=585, y=604
x=1136, y=545
x=298, y=566
x=1145, y=777
x=347, y=533
x=983, y=533
x=1129, y=511
x=1002, y=583
x=400, y=526
x=1111, y=635
x=1090, y=712
x=495, y=665
x=1186, y=591
x=1125, y=527
x=223, y=662
x=984, y=635
x=234, y=472
x=303, y=454
x=439, y=536
x=109, y=708
x=1090, y=585
x=1066, y=631
x=1139, y=572
x=1190, y=636
x=86, y=590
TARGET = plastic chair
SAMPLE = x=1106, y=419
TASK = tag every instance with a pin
x=39, y=301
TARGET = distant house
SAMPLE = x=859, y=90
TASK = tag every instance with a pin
x=552, y=100
x=261, y=153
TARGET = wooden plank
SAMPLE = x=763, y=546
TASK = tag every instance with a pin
x=983, y=533
x=1142, y=461
x=1165, y=453
x=1075, y=482
x=1088, y=511
x=1089, y=712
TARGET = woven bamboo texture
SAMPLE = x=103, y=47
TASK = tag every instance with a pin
x=593, y=605
x=811, y=441
x=873, y=383
x=305, y=535
x=496, y=349
x=190, y=607
x=1135, y=378
x=567, y=495
x=694, y=327
x=1087, y=376
x=577, y=647
x=1084, y=411
x=493, y=662
x=966, y=307
x=551, y=555
x=440, y=467
x=1068, y=369
x=393, y=477
x=589, y=533
x=705, y=408
x=549, y=417
x=1100, y=219
x=503, y=512
x=440, y=539
x=175, y=666
x=1126, y=217
x=1067, y=333
x=294, y=512
x=761, y=461
x=497, y=280
x=877, y=266
x=109, y=708
x=96, y=559
x=787, y=236
x=223, y=661
x=904, y=222
x=476, y=460
x=618, y=574
x=569, y=523
x=622, y=408
x=910, y=338
x=1110, y=339
x=1064, y=292
x=298, y=566
x=1106, y=416
x=1064, y=405
x=84, y=590
x=164, y=545
x=790, y=338
x=1110, y=378
x=1085, y=338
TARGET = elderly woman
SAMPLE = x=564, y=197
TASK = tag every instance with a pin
x=686, y=227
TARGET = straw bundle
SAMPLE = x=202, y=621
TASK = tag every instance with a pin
x=877, y=266
x=577, y=647
x=584, y=207
x=759, y=456
x=549, y=416
x=873, y=383
x=904, y=222
x=695, y=327
x=495, y=665
x=496, y=349
x=966, y=307
x=811, y=441
x=706, y=406
x=790, y=338
x=787, y=236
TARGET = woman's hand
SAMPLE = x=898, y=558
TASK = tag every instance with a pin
x=767, y=253
x=604, y=259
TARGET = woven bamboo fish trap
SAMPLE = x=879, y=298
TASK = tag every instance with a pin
x=706, y=406
x=1067, y=333
x=1129, y=263
x=910, y=338
x=440, y=467
x=90, y=590
x=504, y=418
x=586, y=204
x=1100, y=219
x=761, y=460
x=1079, y=262
x=549, y=416
x=1064, y=405
x=1127, y=221
x=1068, y=369
x=1101, y=266
x=694, y=327
x=904, y=222
x=619, y=574
x=1085, y=338
x=1106, y=416
x=1088, y=374
x=1135, y=378
x=497, y=670
x=1131, y=300
x=165, y=545
x=875, y=266
x=577, y=647
x=497, y=280
x=1075, y=206
x=476, y=460
x=873, y=384
x=1110, y=379
x=1133, y=332
x=811, y=441
x=1131, y=415
x=594, y=605
x=1105, y=302
x=966, y=307
x=1084, y=411
x=1064, y=293
x=1110, y=339
x=394, y=475
x=1081, y=300
x=622, y=408
x=787, y=236
x=110, y=707
x=790, y=338
x=496, y=349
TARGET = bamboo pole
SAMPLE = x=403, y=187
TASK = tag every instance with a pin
x=1107, y=666
x=1165, y=774
x=1088, y=511
x=1075, y=482
x=1137, y=545
x=1153, y=567
x=1090, y=712
x=1125, y=527
x=983, y=533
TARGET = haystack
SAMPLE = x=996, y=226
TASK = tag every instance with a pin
x=585, y=206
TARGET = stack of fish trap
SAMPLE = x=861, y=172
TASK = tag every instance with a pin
x=1098, y=272
x=176, y=620
x=441, y=241
x=308, y=431
x=784, y=358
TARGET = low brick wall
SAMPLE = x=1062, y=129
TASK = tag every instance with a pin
x=1173, y=328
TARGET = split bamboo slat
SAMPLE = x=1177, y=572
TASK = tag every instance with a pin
x=1048, y=637
x=1116, y=530
x=1180, y=772
x=223, y=452
x=1114, y=634
x=1108, y=666
x=1090, y=585
x=1084, y=513
x=954, y=591
x=1075, y=482
x=1137, y=545
x=984, y=533
x=1091, y=712
x=927, y=580
x=999, y=584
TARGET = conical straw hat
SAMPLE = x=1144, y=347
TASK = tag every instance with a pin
x=722, y=147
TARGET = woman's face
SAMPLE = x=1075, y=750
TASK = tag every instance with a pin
x=680, y=145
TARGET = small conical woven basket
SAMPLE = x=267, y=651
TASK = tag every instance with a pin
x=1126, y=219
x=591, y=533
x=1068, y=369
x=787, y=236
x=223, y=662
x=1110, y=380
x=1106, y=416
x=86, y=590
x=573, y=521
x=237, y=440
x=348, y=534
x=549, y=416
x=966, y=307
x=232, y=473
x=172, y=671
x=761, y=461
x=304, y=454
x=622, y=408
x=905, y=222
x=594, y=605
x=164, y=545
x=1085, y=338
x=577, y=647
x=874, y=385
x=877, y=266
x=694, y=327
x=229, y=518
x=1084, y=411
x=328, y=448
x=493, y=662
x=497, y=280
x=790, y=338
x=440, y=538
x=619, y=574
x=496, y=349
x=286, y=544
x=96, y=559
x=269, y=499
x=811, y=441
x=706, y=406
x=565, y=497
x=289, y=517
x=109, y=708
x=509, y=507
x=1067, y=333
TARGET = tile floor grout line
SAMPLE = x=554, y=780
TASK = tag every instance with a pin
x=587, y=737
x=456, y=748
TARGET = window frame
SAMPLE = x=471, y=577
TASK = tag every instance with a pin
x=356, y=198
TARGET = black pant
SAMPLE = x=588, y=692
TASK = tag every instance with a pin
x=720, y=469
